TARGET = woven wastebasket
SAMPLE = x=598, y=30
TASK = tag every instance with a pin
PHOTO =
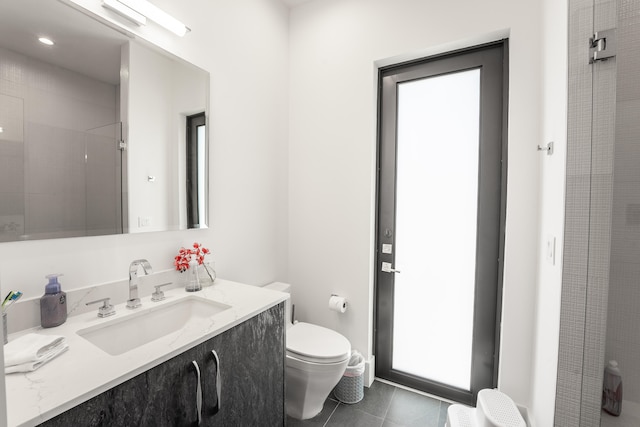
x=350, y=389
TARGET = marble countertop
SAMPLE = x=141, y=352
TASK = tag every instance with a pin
x=85, y=371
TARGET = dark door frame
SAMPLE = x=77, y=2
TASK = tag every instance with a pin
x=492, y=58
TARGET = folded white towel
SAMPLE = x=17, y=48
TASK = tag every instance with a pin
x=30, y=351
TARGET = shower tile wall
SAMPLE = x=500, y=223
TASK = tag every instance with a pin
x=602, y=146
x=623, y=325
x=57, y=106
x=591, y=136
x=576, y=239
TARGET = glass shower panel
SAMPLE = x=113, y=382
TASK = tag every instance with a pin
x=436, y=226
x=12, y=190
x=623, y=316
x=103, y=179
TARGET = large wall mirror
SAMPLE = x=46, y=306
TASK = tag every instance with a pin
x=97, y=132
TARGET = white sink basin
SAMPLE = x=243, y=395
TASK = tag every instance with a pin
x=117, y=336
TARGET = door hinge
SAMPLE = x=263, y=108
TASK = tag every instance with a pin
x=602, y=45
x=122, y=145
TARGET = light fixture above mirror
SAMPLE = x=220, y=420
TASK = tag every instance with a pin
x=139, y=11
x=125, y=11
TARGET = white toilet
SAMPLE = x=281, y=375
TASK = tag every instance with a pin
x=316, y=360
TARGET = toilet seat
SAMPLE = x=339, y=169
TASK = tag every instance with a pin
x=313, y=343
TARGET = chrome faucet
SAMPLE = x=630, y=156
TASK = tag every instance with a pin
x=134, y=301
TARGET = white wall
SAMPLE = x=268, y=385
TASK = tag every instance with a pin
x=244, y=45
x=3, y=391
x=152, y=142
x=333, y=51
x=552, y=182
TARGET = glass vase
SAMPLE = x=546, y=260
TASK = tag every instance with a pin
x=193, y=281
x=206, y=274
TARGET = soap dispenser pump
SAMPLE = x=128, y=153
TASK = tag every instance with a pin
x=53, y=304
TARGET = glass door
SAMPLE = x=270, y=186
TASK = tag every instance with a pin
x=437, y=119
x=440, y=223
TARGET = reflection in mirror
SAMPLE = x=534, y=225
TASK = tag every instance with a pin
x=93, y=129
x=196, y=169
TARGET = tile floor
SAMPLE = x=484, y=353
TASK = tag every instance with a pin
x=629, y=417
x=383, y=406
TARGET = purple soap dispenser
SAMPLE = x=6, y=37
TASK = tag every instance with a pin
x=53, y=304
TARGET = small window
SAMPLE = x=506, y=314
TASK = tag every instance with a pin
x=196, y=171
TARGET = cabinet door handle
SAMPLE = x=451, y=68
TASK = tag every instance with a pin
x=218, y=382
x=198, y=393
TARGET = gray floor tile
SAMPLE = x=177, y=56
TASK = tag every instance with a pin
x=383, y=405
x=411, y=409
x=388, y=423
x=376, y=399
x=348, y=415
x=319, y=420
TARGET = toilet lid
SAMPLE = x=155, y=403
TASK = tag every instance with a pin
x=317, y=344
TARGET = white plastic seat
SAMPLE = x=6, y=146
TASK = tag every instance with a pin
x=316, y=344
x=494, y=409
x=459, y=416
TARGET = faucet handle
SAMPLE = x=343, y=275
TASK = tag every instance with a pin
x=158, y=295
x=106, y=309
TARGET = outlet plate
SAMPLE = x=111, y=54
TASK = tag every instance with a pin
x=144, y=221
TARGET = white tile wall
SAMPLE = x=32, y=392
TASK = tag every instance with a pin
x=11, y=165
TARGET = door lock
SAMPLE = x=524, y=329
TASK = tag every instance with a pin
x=386, y=267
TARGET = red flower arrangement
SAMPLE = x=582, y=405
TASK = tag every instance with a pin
x=181, y=261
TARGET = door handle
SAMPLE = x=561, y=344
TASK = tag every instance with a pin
x=218, y=381
x=198, y=393
x=386, y=267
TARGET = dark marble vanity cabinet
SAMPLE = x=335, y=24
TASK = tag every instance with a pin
x=251, y=358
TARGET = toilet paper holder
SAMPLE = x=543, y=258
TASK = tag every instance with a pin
x=337, y=303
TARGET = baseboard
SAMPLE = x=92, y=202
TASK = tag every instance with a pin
x=369, y=371
x=525, y=414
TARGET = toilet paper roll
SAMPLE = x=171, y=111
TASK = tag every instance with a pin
x=337, y=303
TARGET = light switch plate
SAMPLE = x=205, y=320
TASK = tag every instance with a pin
x=551, y=250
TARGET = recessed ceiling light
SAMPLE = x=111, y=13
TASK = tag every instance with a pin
x=1, y=129
x=46, y=41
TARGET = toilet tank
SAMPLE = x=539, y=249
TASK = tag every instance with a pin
x=286, y=288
